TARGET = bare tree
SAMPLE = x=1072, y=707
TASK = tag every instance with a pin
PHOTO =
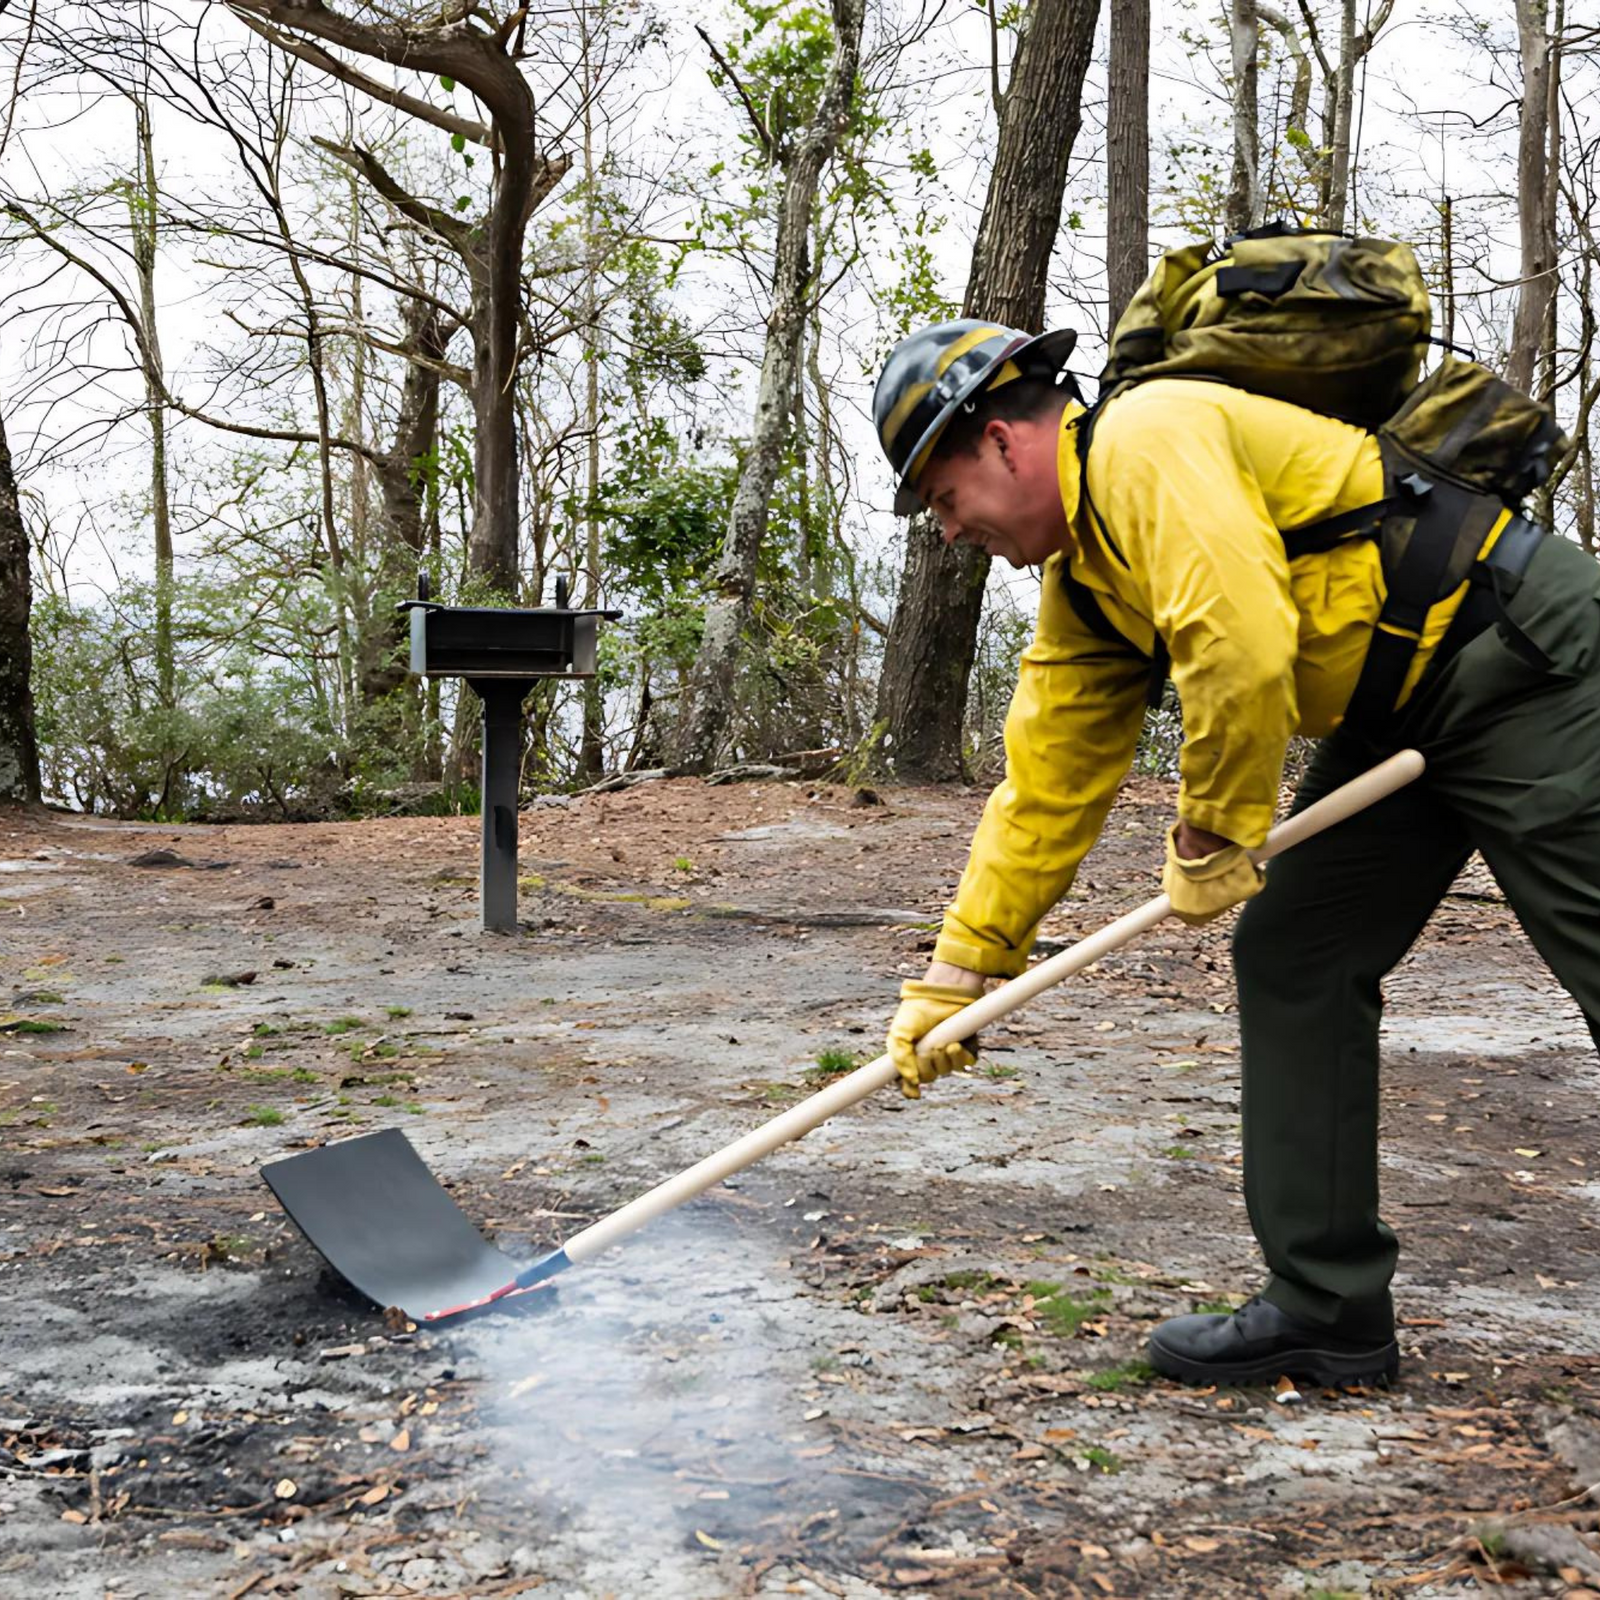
x=480, y=50
x=19, y=751
x=1127, y=156
x=708, y=694
x=928, y=656
x=1333, y=158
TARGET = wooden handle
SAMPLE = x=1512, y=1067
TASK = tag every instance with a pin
x=1354, y=796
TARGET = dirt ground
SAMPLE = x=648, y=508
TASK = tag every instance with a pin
x=900, y=1357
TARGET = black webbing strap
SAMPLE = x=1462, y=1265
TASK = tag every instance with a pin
x=1268, y=280
x=1365, y=522
x=1414, y=588
x=1092, y=615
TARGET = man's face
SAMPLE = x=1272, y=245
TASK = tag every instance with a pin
x=1003, y=499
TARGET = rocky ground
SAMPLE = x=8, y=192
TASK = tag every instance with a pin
x=901, y=1357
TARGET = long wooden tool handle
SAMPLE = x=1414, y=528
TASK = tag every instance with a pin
x=1354, y=796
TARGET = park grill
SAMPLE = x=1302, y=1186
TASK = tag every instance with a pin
x=502, y=652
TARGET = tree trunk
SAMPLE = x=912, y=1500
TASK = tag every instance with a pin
x=1343, y=104
x=403, y=476
x=708, y=694
x=1535, y=212
x=1244, y=185
x=143, y=199
x=1127, y=156
x=19, y=751
x=922, y=691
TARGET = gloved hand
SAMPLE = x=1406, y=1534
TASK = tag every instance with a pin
x=1206, y=886
x=923, y=1006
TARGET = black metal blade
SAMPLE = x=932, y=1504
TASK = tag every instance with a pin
x=380, y=1219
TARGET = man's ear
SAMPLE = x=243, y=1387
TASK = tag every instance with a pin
x=1002, y=435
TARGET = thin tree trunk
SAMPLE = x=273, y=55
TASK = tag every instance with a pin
x=1244, y=185
x=1127, y=156
x=928, y=656
x=708, y=693
x=1535, y=222
x=19, y=750
x=591, y=743
x=143, y=198
x=1343, y=106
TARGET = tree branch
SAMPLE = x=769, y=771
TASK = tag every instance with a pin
x=762, y=134
x=452, y=230
x=389, y=94
x=455, y=49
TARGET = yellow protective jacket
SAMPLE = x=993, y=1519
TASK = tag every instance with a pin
x=1193, y=480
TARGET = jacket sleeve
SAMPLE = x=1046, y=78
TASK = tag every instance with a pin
x=1070, y=736
x=1180, y=498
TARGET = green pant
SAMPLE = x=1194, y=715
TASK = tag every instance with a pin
x=1513, y=757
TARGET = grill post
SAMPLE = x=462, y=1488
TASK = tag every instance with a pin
x=502, y=768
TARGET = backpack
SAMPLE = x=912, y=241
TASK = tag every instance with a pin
x=1340, y=326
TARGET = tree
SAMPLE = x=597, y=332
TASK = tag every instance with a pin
x=480, y=51
x=19, y=753
x=1127, y=156
x=1244, y=185
x=928, y=656
x=1531, y=357
x=709, y=692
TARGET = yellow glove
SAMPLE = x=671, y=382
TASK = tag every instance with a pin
x=1208, y=885
x=923, y=1006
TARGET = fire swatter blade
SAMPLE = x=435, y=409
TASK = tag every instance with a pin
x=375, y=1213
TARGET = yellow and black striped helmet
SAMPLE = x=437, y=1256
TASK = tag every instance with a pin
x=939, y=370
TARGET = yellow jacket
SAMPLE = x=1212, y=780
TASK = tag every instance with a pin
x=1194, y=480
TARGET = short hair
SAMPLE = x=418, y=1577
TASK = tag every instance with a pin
x=1025, y=399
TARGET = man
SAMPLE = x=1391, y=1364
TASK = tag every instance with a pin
x=1170, y=540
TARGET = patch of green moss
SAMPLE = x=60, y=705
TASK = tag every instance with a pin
x=343, y=1025
x=1063, y=1314
x=974, y=1281
x=263, y=1117
x=1129, y=1375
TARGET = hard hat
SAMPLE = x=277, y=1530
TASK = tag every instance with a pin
x=937, y=371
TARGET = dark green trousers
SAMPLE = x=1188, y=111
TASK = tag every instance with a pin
x=1513, y=757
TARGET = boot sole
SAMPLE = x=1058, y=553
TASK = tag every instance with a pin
x=1330, y=1368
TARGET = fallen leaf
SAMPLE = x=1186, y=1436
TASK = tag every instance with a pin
x=179, y=1418
x=401, y=1441
x=811, y=1452
x=707, y=1540
x=1055, y=1435
x=73, y=1516
x=913, y=1575
x=1200, y=1544
x=286, y=1489
x=55, y=1194
x=1098, y=1551
x=1530, y=1154
x=375, y=1494
x=712, y=1494
x=138, y=1066
x=1102, y=1583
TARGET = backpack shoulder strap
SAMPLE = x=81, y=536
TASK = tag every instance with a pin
x=1092, y=615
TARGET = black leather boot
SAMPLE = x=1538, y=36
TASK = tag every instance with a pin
x=1259, y=1343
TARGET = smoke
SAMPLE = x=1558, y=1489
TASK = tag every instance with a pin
x=659, y=1410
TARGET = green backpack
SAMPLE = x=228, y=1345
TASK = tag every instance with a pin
x=1341, y=326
